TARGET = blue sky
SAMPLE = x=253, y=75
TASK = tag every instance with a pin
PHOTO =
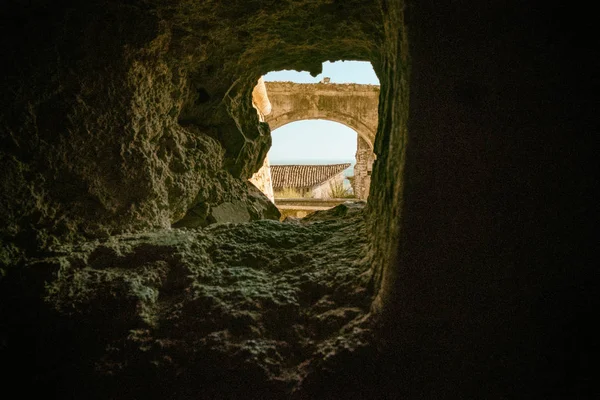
x=339, y=72
x=335, y=142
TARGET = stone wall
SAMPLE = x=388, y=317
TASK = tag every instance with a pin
x=354, y=105
x=351, y=104
x=363, y=168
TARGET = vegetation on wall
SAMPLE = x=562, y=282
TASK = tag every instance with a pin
x=337, y=190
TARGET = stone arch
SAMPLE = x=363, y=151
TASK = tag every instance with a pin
x=360, y=128
x=365, y=139
x=352, y=105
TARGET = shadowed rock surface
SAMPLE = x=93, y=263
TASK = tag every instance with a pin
x=252, y=310
x=122, y=119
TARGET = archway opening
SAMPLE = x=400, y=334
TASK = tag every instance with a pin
x=313, y=159
x=322, y=126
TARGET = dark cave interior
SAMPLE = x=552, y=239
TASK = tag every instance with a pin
x=124, y=127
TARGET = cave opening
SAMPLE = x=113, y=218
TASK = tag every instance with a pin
x=312, y=164
x=180, y=272
x=137, y=261
x=305, y=108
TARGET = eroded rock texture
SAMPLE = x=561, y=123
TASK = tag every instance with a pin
x=255, y=310
x=123, y=116
x=121, y=119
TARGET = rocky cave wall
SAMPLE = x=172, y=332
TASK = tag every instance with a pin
x=134, y=116
x=119, y=117
x=262, y=180
x=488, y=296
x=122, y=120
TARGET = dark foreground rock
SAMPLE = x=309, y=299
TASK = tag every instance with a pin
x=251, y=310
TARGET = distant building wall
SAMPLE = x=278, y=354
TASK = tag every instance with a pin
x=323, y=191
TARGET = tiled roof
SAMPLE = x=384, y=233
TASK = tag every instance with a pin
x=301, y=176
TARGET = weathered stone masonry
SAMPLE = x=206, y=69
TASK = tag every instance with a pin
x=353, y=105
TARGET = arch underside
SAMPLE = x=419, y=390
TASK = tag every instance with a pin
x=364, y=131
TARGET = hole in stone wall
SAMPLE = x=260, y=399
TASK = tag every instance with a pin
x=313, y=159
x=338, y=114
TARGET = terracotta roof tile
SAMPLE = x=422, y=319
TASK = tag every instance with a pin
x=302, y=176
